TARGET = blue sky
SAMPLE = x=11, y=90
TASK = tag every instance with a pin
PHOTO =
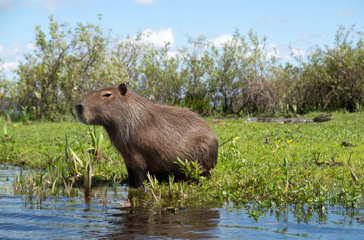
x=300, y=24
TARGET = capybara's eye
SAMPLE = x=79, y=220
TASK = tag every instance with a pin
x=107, y=95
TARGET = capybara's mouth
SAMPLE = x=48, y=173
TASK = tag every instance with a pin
x=79, y=118
x=83, y=116
x=79, y=113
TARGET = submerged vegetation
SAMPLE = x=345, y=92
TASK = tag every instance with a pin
x=309, y=165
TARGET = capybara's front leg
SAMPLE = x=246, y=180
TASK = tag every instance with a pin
x=131, y=177
x=136, y=177
x=139, y=178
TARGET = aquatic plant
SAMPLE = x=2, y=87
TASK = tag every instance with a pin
x=153, y=186
x=84, y=164
x=68, y=186
x=5, y=130
x=103, y=196
x=285, y=167
x=301, y=164
x=191, y=169
x=19, y=181
x=39, y=182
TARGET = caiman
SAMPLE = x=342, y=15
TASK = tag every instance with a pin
x=320, y=118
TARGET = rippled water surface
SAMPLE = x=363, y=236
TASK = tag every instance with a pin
x=57, y=218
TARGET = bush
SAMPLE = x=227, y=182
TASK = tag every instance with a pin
x=239, y=77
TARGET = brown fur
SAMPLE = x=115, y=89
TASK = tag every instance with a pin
x=149, y=136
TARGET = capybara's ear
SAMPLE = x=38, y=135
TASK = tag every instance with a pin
x=122, y=89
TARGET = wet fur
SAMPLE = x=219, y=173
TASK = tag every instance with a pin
x=149, y=136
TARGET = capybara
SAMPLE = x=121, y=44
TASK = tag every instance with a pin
x=149, y=136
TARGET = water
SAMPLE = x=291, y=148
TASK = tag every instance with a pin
x=56, y=218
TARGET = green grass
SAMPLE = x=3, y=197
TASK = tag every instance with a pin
x=43, y=145
x=248, y=171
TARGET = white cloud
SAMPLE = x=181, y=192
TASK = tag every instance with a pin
x=283, y=52
x=144, y=2
x=172, y=54
x=305, y=36
x=6, y=5
x=9, y=66
x=11, y=52
x=298, y=53
x=159, y=39
x=16, y=50
x=220, y=40
x=272, y=51
x=51, y=5
x=347, y=13
x=312, y=35
x=271, y=19
x=31, y=46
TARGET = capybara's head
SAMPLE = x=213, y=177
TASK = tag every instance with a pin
x=99, y=107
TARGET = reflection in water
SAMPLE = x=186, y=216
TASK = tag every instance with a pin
x=192, y=223
x=157, y=222
x=57, y=218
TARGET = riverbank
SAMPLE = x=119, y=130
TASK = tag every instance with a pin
x=266, y=163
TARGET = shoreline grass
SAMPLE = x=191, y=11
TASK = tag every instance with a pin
x=285, y=171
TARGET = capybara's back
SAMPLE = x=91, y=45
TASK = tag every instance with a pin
x=149, y=136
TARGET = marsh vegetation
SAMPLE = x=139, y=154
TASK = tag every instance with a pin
x=298, y=164
x=289, y=180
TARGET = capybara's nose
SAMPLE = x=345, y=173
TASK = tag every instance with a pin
x=79, y=107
